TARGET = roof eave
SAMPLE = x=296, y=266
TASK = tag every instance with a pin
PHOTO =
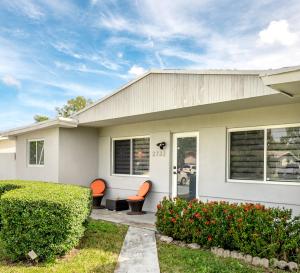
x=59, y=122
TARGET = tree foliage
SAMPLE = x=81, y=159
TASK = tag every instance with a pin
x=73, y=106
x=40, y=118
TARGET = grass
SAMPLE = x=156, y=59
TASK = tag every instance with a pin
x=98, y=251
x=175, y=259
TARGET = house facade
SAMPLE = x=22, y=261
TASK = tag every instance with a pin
x=214, y=135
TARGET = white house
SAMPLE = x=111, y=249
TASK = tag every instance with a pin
x=219, y=129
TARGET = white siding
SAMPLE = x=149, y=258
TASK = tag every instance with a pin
x=161, y=92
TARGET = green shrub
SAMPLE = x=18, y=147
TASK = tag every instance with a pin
x=47, y=218
x=249, y=228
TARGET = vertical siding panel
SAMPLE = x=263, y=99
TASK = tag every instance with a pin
x=165, y=91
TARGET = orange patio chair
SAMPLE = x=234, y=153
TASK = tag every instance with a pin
x=136, y=202
x=98, y=187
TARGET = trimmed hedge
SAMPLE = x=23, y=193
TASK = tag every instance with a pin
x=47, y=218
x=249, y=228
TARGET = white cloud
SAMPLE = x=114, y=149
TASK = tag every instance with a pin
x=278, y=32
x=136, y=70
x=83, y=54
x=11, y=81
x=74, y=89
x=26, y=7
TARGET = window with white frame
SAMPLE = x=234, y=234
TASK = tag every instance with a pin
x=264, y=154
x=131, y=156
x=36, y=152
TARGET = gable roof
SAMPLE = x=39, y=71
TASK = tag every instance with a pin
x=171, y=90
x=172, y=71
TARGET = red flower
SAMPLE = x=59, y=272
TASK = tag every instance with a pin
x=207, y=223
x=173, y=220
x=197, y=215
x=204, y=209
x=159, y=206
x=259, y=207
x=209, y=238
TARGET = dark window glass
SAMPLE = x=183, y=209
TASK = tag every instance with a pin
x=122, y=156
x=283, y=154
x=36, y=152
x=32, y=153
x=140, y=156
x=247, y=155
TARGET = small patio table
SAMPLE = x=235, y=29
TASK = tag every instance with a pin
x=117, y=204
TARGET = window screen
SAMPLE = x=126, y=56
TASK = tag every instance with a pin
x=122, y=156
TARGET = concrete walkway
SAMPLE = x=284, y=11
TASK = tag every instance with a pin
x=139, y=252
x=142, y=221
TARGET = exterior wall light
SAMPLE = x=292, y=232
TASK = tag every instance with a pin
x=161, y=145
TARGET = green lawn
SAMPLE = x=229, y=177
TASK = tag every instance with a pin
x=98, y=252
x=175, y=259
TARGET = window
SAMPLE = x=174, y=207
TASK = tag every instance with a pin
x=283, y=154
x=264, y=154
x=131, y=156
x=247, y=155
x=36, y=152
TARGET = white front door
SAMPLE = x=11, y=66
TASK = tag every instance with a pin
x=185, y=165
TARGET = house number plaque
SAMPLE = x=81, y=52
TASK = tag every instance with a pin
x=158, y=153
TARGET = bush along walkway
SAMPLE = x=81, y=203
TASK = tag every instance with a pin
x=139, y=252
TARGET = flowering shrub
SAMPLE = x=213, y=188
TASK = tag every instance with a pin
x=249, y=228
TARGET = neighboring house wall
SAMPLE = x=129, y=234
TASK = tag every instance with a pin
x=7, y=166
x=7, y=146
x=48, y=172
x=212, y=157
x=78, y=155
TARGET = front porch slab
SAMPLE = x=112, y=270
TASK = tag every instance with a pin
x=146, y=221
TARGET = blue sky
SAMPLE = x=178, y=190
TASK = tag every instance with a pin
x=53, y=50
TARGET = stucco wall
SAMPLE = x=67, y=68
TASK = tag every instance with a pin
x=78, y=155
x=123, y=186
x=212, y=157
x=48, y=172
x=7, y=166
